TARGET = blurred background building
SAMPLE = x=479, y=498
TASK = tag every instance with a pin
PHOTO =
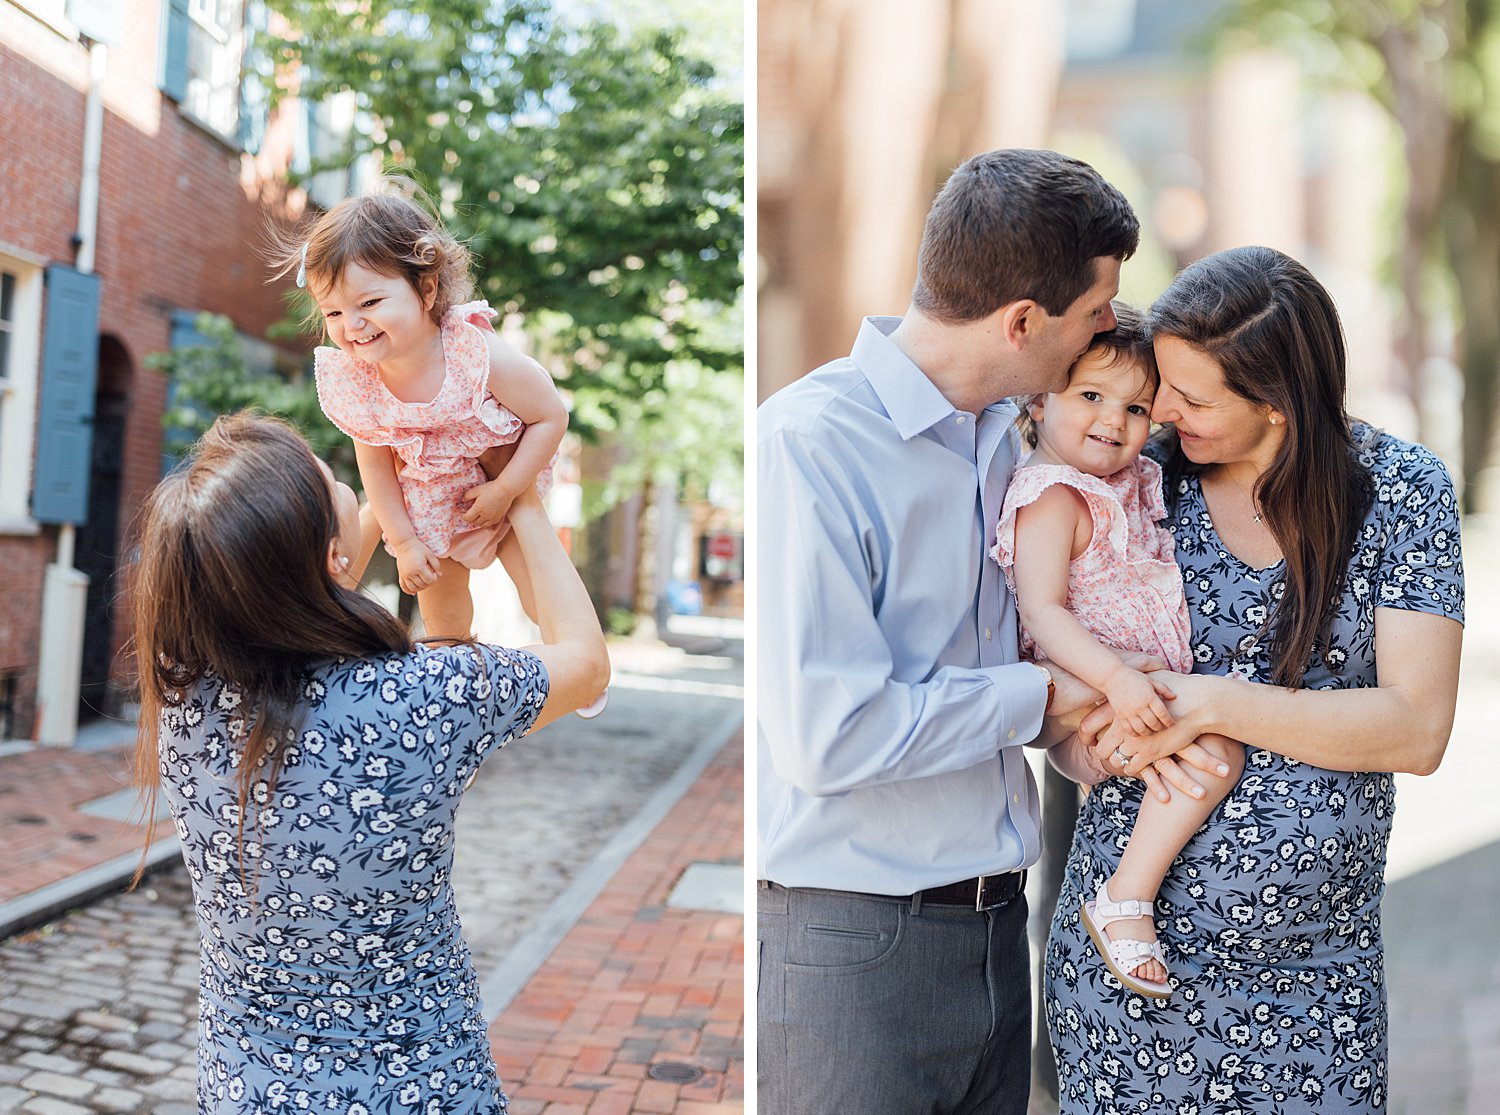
x=1326, y=130
x=146, y=146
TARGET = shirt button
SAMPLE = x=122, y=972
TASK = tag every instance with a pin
x=988, y=634
x=1010, y=734
x=1016, y=798
x=960, y=419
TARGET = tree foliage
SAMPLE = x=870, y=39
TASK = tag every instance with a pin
x=1434, y=65
x=212, y=379
x=595, y=173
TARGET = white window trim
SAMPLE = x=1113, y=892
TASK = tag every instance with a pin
x=18, y=397
x=53, y=13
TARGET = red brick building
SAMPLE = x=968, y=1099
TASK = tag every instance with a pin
x=187, y=177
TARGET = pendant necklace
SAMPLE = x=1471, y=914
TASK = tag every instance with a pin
x=1249, y=496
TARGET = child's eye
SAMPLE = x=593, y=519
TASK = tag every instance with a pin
x=365, y=305
x=331, y=314
x=1136, y=408
x=1091, y=396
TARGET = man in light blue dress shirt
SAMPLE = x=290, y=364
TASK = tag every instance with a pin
x=896, y=811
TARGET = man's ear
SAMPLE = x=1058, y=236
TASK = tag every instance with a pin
x=1020, y=322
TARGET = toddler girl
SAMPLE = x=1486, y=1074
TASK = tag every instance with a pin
x=1094, y=576
x=421, y=382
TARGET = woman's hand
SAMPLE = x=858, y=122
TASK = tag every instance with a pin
x=1161, y=758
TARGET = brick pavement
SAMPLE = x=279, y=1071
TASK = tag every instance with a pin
x=639, y=993
x=44, y=836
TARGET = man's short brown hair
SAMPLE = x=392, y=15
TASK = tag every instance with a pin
x=1015, y=224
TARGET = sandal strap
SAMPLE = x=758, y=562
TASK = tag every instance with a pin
x=1129, y=955
x=1106, y=910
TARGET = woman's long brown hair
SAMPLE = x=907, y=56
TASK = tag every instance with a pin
x=1275, y=334
x=233, y=581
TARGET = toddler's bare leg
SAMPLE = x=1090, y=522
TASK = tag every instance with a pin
x=446, y=606
x=369, y=538
x=1162, y=830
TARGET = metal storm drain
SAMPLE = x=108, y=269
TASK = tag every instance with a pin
x=674, y=1072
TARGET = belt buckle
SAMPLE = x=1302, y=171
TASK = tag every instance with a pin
x=989, y=891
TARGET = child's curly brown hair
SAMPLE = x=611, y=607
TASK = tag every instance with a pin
x=1129, y=340
x=393, y=230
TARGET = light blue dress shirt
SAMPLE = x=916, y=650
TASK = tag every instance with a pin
x=892, y=705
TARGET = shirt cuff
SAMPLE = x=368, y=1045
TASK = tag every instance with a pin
x=1022, y=699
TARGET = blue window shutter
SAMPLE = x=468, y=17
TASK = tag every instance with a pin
x=257, y=72
x=174, y=55
x=177, y=440
x=65, y=422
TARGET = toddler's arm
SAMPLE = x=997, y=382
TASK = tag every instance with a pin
x=528, y=392
x=416, y=567
x=1050, y=533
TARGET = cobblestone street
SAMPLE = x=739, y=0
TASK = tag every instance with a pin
x=98, y=1008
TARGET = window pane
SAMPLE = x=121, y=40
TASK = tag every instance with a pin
x=7, y=292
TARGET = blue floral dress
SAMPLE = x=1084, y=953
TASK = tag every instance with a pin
x=334, y=974
x=1270, y=917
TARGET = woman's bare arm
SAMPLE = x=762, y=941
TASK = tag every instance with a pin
x=1402, y=724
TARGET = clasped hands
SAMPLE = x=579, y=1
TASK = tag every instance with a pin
x=1161, y=758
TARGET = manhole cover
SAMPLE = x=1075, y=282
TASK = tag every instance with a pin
x=674, y=1072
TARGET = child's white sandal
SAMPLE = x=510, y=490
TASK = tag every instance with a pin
x=1123, y=957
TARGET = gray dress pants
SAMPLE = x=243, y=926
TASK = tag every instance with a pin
x=889, y=1006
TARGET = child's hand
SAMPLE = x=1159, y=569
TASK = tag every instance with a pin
x=1137, y=701
x=416, y=566
x=491, y=502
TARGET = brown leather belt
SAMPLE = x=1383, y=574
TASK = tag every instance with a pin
x=982, y=893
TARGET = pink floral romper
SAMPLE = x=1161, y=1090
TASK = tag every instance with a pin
x=1126, y=588
x=437, y=444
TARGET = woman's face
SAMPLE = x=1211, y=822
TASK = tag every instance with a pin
x=346, y=511
x=1214, y=425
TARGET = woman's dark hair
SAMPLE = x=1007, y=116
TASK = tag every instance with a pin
x=1014, y=224
x=1274, y=332
x=1129, y=341
x=233, y=581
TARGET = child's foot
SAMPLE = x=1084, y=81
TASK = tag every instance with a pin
x=1125, y=933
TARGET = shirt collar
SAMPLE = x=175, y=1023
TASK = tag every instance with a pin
x=912, y=401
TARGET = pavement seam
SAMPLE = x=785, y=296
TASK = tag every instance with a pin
x=38, y=906
x=530, y=952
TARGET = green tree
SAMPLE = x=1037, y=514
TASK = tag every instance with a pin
x=212, y=379
x=1434, y=66
x=595, y=172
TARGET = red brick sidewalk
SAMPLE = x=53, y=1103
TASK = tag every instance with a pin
x=636, y=988
x=43, y=838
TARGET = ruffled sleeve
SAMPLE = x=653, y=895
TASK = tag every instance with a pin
x=468, y=358
x=1027, y=485
x=347, y=392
